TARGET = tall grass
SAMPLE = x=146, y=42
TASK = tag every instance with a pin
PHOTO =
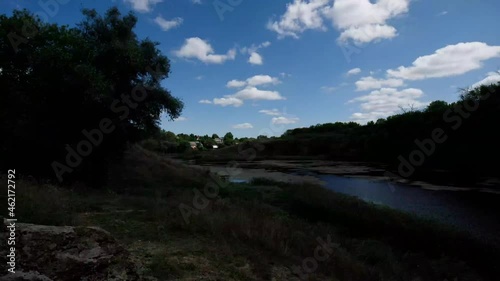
x=256, y=231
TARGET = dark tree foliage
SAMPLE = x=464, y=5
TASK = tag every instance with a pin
x=61, y=85
x=228, y=138
x=470, y=126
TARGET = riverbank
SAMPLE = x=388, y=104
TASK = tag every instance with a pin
x=183, y=223
x=283, y=167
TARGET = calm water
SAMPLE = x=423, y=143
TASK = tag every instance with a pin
x=475, y=212
x=471, y=211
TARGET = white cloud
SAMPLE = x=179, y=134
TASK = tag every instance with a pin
x=284, y=120
x=243, y=126
x=284, y=74
x=368, y=83
x=354, y=71
x=364, y=21
x=272, y=112
x=236, y=84
x=249, y=91
x=443, y=13
x=255, y=58
x=386, y=101
x=492, y=78
x=262, y=80
x=228, y=101
x=143, y=6
x=196, y=2
x=300, y=15
x=255, y=48
x=197, y=48
x=252, y=93
x=200, y=77
x=180, y=119
x=265, y=44
x=166, y=25
x=256, y=80
x=205, y=101
x=451, y=60
x=368, y=33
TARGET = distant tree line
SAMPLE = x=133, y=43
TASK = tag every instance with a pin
x=168, y=142
x=460, y=139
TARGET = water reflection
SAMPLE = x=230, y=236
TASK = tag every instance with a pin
x=470, y=211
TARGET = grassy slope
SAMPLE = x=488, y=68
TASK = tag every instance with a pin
x=254, y=231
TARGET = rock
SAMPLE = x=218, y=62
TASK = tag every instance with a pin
x=68, y=253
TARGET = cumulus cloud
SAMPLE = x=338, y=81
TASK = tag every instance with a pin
x=361, y=21
x=197, y=48
x=252, y=93
x=368, y=33
x=253, y=81
x=166, y=25
x=262, y=80
x=205, y=101
x=143, y=6
x=384, y=102
x=236, y=84
x=249, y=91
x=368, y=83
x=272, y=112
x=255, y=58
x=364, y=21
x=491, y=78
x=228, y=101
x=451, y=60
x=243, y=126
x=354, y=71
x=284, y=120
x=300, y=15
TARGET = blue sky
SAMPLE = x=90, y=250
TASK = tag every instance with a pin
x=261, y=67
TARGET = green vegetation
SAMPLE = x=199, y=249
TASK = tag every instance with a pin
x=61, y=86
x=456, y=139
x=72, y=115
x=255, y=231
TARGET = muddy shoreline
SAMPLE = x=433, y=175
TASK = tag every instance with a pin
x=305, y=171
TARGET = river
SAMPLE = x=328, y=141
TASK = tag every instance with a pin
x=471, y=210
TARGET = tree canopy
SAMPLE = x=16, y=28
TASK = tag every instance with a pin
x=65, y=87
x=228, y=138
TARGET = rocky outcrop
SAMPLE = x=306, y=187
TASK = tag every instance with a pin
x=67, y=253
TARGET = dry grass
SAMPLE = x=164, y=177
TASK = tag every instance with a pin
x=249, y=231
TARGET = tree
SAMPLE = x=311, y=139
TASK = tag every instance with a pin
x=215, y=136
x=228, y=138
x=208, y=142
x=168, y=136
x=63, y=85
x=438, y=106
